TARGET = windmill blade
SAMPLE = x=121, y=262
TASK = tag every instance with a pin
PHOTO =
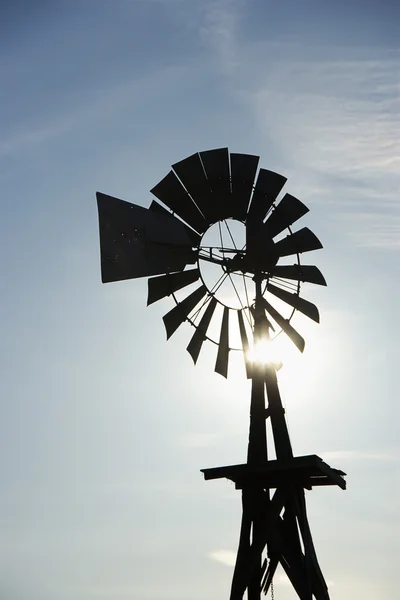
x=191, y=172
x=243, y=172
x=306, y=273
x=285, y=325
x=221, y=365
x=180, y=312
x=266, y=190
x=199, y=335
x=136, y=242
x=172, y=193
x=304, y=306
x=258, y=243
x=245, y=343
x=193, y=235
x=216, y=166
x=303, y=240
x=160, y=287
x=288, y=211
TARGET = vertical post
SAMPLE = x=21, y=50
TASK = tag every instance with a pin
x=257, y=449
x=276, y=412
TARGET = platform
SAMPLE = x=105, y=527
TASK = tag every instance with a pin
x=306, y=471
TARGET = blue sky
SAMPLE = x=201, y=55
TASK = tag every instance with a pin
x=103, y=425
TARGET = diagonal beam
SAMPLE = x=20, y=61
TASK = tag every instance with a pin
x=319, y=587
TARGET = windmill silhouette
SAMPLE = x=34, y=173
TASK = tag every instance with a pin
x=168, y=242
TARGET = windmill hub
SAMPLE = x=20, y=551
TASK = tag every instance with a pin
x=247, y=264
x=224, y=244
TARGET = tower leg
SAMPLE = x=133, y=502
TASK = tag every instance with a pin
x=240, y=573
x=258, y=528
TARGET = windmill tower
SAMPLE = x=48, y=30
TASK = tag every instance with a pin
x=217, y=191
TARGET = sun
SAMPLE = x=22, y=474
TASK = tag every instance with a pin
x=265, y=352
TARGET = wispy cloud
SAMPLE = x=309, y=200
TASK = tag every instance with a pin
x=355, y=455
x=100, y=104
x=339, y=117
x=219, y=31
x=374, y=230
x=226, y=557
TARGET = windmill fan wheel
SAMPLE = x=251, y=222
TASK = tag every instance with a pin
x=214, y=191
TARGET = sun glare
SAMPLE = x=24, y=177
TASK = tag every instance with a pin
x=264, y=353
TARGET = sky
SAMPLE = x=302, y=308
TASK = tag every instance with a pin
x=104, y=426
